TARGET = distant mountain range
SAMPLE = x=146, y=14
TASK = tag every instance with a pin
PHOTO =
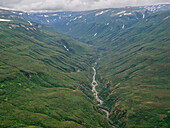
x=156, y=8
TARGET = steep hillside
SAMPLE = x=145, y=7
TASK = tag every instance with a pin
x=44, y=79
x=91, y=26
x=135, y=72
x=96, y=26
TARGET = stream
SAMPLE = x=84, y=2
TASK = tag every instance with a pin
x=94, y=84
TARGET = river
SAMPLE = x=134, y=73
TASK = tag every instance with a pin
x=94, y=85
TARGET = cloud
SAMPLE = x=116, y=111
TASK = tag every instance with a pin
x=73, y=5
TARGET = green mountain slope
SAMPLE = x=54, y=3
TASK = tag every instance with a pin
x=90, y=26
x=135, y=72
x=45, y=80
x=45, y=77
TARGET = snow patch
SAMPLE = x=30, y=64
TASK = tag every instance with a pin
x=127, y=13
x=143, y=15
x=79, y=17
x=20, y=14
x=120, y=12
x=30, y=23
x=54, y=15
x=100, y=13
x=166, y=18
x=5, y=20
x=48, y=21
x=14, y=12
x=123, y=26
x=107, y=23
x=46, y=16
x=66, y=48
x=75, y=18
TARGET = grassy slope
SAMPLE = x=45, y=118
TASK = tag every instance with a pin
x=39, y=82
x=84, y=25
x=104, y=25
x=135, y=73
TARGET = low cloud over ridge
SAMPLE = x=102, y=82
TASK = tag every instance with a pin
x=73, y=5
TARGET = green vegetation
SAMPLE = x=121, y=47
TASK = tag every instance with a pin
x=96, y=26
x=45, y=77
x=42, y=84
x=135, y=74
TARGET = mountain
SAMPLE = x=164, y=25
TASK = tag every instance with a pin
x=157, y=8
x=93, y=26
x=89, y=25
x=134, y=74
x=45, y=79
x=114, y=73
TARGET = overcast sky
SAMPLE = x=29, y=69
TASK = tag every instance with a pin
x=73, y=5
